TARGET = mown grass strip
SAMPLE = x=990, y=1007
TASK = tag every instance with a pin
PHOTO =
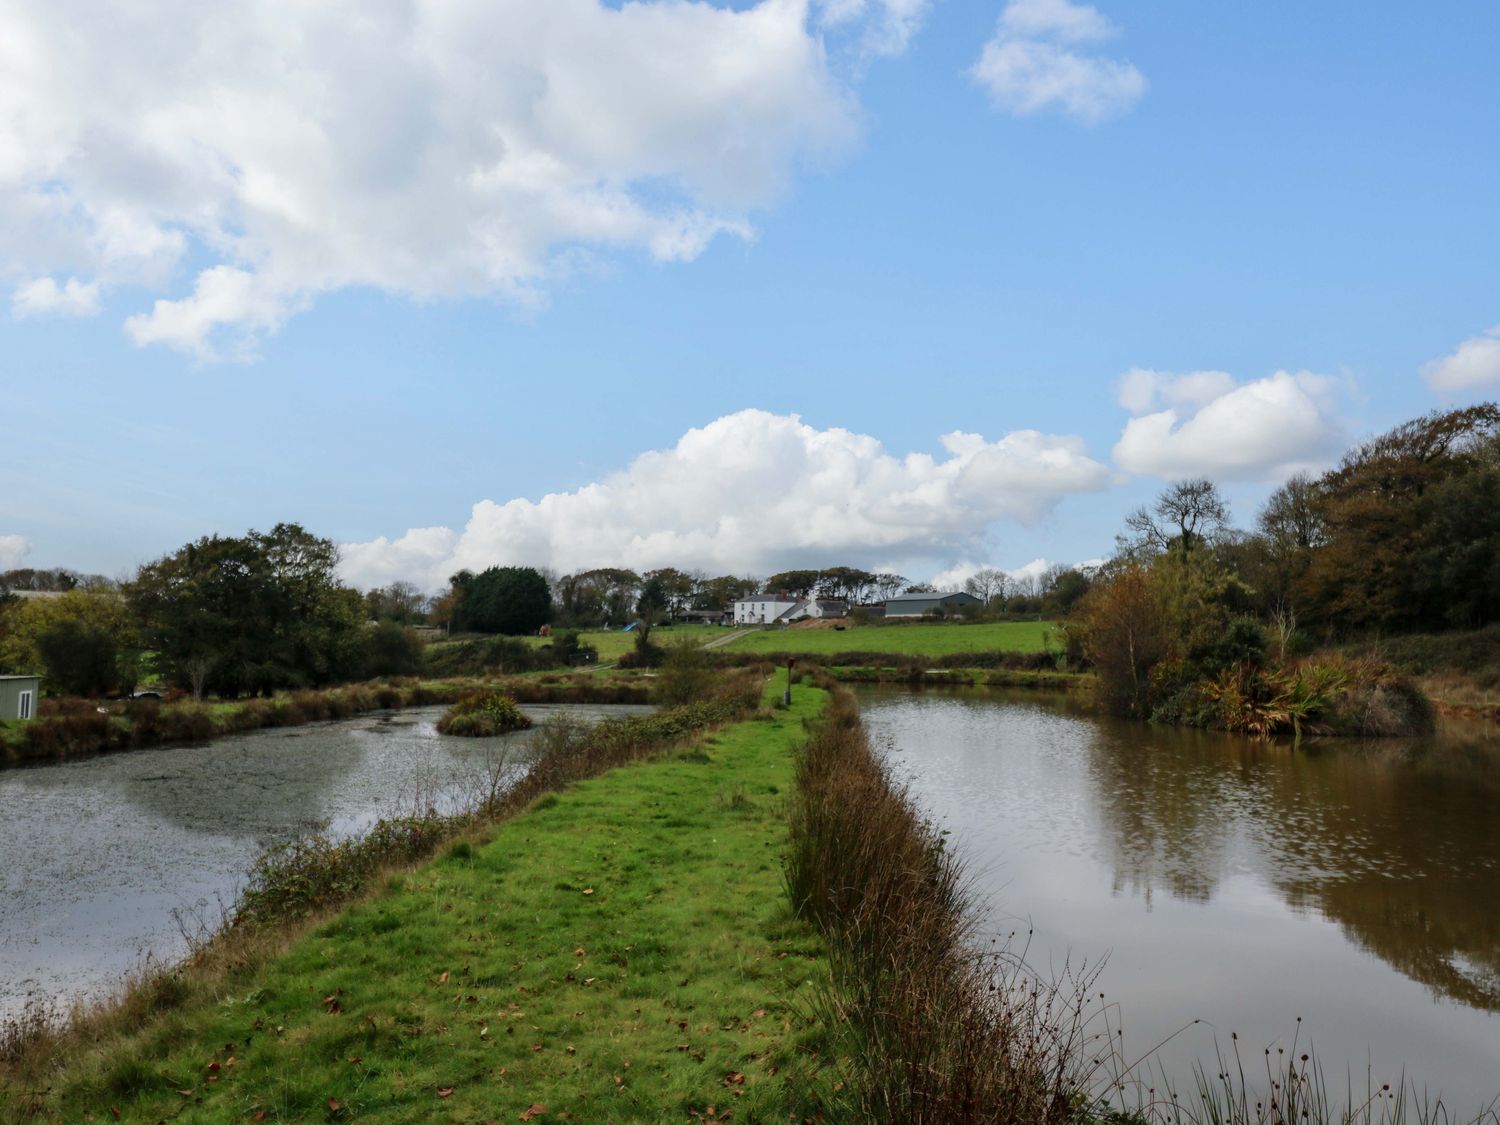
x=622, y=951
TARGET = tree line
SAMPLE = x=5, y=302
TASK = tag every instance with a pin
x=1402, y=535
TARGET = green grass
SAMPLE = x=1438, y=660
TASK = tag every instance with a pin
x=908, y=640
x=623, y=951
x=613, y=644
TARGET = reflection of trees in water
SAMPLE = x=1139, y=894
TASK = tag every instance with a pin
x=1166, y=809
x=1396, y=843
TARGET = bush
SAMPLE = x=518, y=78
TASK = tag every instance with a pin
x=392, y=650
x=686, y=676
x=483, y=714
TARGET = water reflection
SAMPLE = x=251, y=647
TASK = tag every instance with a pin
x=95, y=855
x=1395, y=841
x=1242, y=883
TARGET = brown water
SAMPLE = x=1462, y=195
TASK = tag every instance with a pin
x=97, y=855
x=1236, y=882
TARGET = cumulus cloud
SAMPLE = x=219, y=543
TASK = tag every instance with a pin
x=1205, y=423
x=956, y=575
x=1037, y=60
x=454, y=149
x=1475, y=363
x=888, y=25
x=13, y=548
x=44, y=296
x=752, y=493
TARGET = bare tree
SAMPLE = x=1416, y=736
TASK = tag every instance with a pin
x=1185, y=516
x=197, y=668
x=986, y=584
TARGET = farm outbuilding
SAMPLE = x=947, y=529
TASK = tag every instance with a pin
x=921, y=605
x=18, y=696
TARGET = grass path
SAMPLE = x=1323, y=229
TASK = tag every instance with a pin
x=622, y=952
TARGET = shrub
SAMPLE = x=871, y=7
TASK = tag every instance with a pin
x=483, y=714
x=686, y=676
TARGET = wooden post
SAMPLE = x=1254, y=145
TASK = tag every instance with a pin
x=788, y=698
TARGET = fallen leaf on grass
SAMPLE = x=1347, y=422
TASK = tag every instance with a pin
x=588, y=890
x=334, y=1105
x=443, y=977
x=185, y=1093
x=735, y=1079
x=446, y=1092
x=533, y=1110
x=260, y=1115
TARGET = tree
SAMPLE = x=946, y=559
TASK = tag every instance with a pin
x=102, y=620
x=1185, y=516
x=80, y=658
x=251, y=613
x=720, y=593
x=1065, y=592
x=507, y=599
x=650, y=607
x=1393, y=510
x=986, y=584
x=797, y=583
x=400, y=602
x=888, y=585
x=677, y=589
x=845, y=582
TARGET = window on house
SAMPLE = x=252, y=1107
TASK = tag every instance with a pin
x=25, y=712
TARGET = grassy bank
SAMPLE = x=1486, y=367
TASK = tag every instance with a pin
x=622, y=951
x=73, y=728
x=1459, y=671
x=919, y=639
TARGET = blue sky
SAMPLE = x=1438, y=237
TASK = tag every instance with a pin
x=1306, y=189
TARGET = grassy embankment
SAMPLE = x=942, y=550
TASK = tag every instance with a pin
x=1459, y=672
x=622, y=951
x=1004, y=653
x=75, y=727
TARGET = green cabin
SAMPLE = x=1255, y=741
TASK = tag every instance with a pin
x=18, y=696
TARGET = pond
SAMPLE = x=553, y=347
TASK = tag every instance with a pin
x=98, y=858
x=1243, y=884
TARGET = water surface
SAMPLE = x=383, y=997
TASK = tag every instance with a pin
x=97, y=855
x=1241, y=883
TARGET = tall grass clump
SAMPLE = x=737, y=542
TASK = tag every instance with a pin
x=936, y=1030
x=483, y=714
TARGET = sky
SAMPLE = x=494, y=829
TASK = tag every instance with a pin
x=919, y=285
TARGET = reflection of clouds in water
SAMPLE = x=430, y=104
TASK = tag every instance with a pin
x=98, y=853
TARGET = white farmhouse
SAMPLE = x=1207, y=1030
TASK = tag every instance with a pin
x=771, y=609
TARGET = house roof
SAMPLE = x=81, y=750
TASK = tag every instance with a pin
x=20, y=677
x=933, y=597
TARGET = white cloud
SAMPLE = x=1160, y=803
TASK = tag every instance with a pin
x=1213, y=426
x=1030, y=64
x=462, y=148
x=43, y=296
x=1066, y=21
x=887, y=26
x=13, y=548
x=955, y=576
x=1475, y=363
x=752, y=493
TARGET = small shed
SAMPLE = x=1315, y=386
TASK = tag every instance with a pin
x=18, y=696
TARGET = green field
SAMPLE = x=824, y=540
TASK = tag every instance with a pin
x=624, y=951
x=613, y=644
x=906, y=640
